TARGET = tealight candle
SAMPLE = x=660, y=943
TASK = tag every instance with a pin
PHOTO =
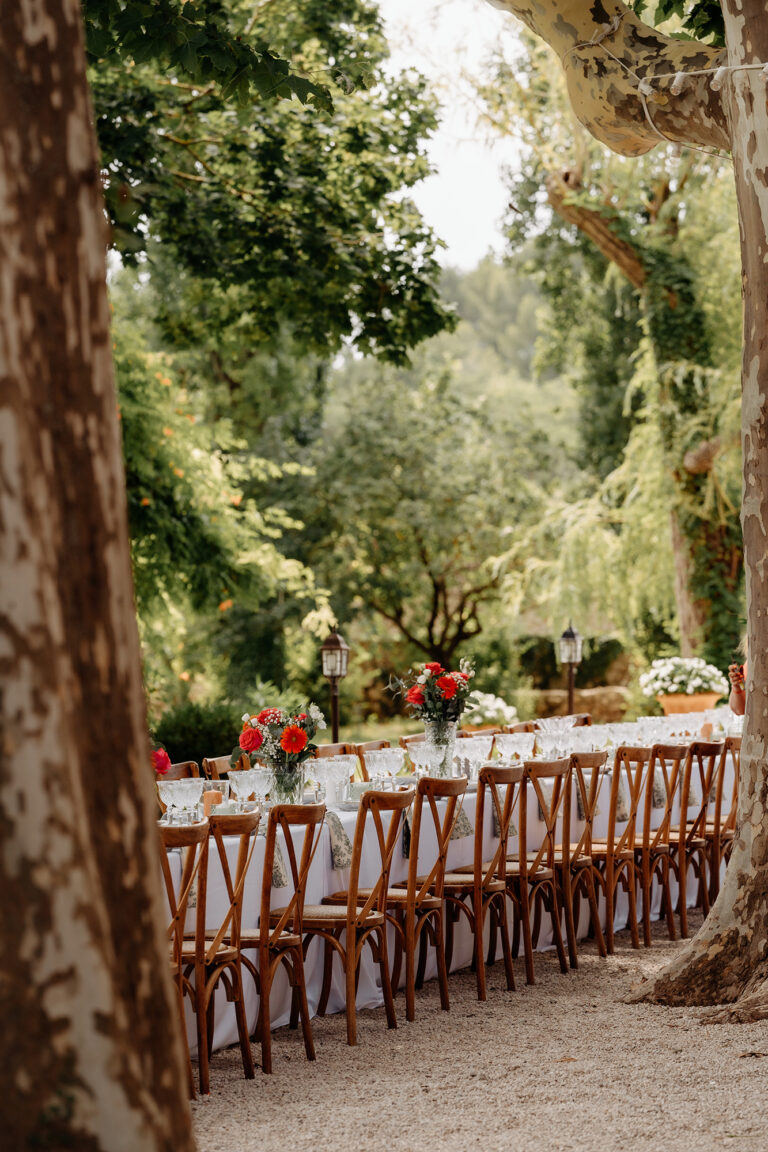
x=213, y=796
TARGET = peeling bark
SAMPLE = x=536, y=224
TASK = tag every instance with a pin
x=727, y=962
x=90, y=1037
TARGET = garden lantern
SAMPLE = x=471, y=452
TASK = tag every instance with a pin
x=570, y=655
x=334, y=655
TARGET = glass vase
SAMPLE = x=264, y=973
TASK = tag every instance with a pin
x=439, y=744
x=287, y=783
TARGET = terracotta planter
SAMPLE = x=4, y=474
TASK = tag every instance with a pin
x=683, y=702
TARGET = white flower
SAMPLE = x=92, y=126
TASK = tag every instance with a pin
x=245, y=716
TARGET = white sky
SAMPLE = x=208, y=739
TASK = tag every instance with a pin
x=465, y=199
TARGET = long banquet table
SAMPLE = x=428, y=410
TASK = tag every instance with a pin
x=324, y=879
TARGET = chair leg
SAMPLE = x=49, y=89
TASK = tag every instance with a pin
x=492, y=934
x=610, y=894
x=632, y=893
x=646, y=883
x=666, y=897
x=242, y=1027
x=265, y=1029
x=506, y=951
x=410, y=967
x=570, y=923
x=300, y=991
x=422, y=968
x=683, y=898
x=442, y=967
x=554, y=912
x=477, y=922
x=450, y=920
x=525, y=918
x=594, y=914
x=350, y=971
x=389, y=1002
x=536, y=921
x=327, y=973
x=397, y=958
x=202, y=1031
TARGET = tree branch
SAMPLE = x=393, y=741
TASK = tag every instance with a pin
x=603, y=78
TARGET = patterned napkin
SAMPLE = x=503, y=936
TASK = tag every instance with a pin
x=279, y=870
x=341, y=846
x=461, y=828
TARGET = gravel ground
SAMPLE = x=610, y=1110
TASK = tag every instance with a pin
x=563, y=1066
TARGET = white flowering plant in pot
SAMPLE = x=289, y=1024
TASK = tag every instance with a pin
x=682, y=675
x=489, y=709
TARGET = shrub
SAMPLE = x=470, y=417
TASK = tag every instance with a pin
x=193, y=731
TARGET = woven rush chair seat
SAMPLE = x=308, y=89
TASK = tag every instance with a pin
x=397, y=896
x=464, y=882
x=325, y=914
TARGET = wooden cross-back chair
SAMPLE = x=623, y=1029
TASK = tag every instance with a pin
x=221, y=960
x=652, y=844
x=485, y=730
x=415, y=738
x=532, y=876
x=479, y=892
x=721, y=830
x=523, y=726
x=688, y=841
x=183, y=770
x=615, y=855
x=361, y=918
x=278, y=938
x=368, y=746
x=332, y=750
x=192, y=842
x=577, y=868
x=218, y=767
x=416, y=910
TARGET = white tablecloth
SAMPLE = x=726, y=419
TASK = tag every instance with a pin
x=324, y=879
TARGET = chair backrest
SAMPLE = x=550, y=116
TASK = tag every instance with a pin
x=414, y=738
x=487, y=730
x=245, y=826
x=184, y=770
x=732, y=748
x=582, y=720
x=285, y=817
x=701, y=764
x=428, y=791
x=554, y=806
x=587, y=778
x=373, y=806
x=217, y=767
x=500, y=789
x=523, y=726
x=192, y=840
x=369, y=746
x=664, y=770
x=335, y=750
x=630, y=764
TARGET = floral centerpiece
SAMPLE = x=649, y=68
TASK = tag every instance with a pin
x=282, y=741
x=684, y=683
x=438, y=698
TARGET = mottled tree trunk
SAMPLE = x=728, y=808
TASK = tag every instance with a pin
x=727, y=962
x=89, y=1032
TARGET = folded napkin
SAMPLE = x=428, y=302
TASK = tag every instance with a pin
x=279, y=870
x=341, y=846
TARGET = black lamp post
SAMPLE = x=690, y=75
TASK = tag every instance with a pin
x=570, y=655
x=334, y=654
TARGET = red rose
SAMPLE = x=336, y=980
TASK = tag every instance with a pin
x=434, y=668
x=462, y=676
x=415, y=695
x=302, y=716
x=447, y=686
x=293, y=739
x=251, y=739
x=161, y=761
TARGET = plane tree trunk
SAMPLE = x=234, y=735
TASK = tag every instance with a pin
x=90, y=1037
x=727, y=962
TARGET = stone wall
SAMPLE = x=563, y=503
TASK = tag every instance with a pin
x=605, y=705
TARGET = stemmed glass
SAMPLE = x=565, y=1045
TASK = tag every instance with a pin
x=249, y=782
x=383, y=764
x=181, y=796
